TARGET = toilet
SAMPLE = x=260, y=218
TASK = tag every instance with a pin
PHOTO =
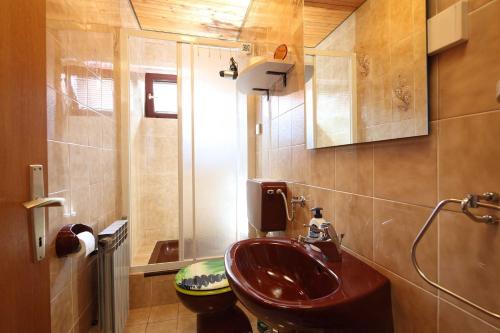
x=204, y=289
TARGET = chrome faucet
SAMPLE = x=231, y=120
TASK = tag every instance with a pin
x=329, y=242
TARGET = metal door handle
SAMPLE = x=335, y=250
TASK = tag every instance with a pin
x=44, y=202
x=36, y=207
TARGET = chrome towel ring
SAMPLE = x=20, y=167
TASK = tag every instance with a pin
x=471, y=201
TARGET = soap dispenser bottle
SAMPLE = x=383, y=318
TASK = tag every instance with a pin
x=317, y=220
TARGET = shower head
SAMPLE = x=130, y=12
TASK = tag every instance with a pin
x=232, y=72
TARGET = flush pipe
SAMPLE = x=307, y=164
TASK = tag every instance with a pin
x=295, y=200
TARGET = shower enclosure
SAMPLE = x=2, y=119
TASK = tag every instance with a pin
x=186, y=154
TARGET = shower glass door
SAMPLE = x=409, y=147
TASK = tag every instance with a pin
x=187, y=175
x=219, y=125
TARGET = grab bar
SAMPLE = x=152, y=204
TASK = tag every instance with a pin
x=471, y=201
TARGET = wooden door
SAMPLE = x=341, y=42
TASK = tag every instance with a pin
x=24, y=282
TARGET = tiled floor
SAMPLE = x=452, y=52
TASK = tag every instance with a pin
x=170, y=318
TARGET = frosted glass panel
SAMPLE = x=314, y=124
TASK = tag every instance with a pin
x=186, y=246
x=216, y=153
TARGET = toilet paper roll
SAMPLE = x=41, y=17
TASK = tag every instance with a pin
x=87, y=241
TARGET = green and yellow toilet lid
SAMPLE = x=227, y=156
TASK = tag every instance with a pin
x=203, y=278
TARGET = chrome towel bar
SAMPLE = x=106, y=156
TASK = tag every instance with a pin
x=471, y=201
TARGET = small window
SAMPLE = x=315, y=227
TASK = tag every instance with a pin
x=161, y=95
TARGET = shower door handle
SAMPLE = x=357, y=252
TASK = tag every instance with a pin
x=36, y=207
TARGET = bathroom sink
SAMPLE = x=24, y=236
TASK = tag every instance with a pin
x=294, y=288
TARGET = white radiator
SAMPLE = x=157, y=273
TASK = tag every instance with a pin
x=114, y=263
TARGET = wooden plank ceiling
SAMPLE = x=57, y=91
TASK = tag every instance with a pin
x=220, y=19
x=323, y=16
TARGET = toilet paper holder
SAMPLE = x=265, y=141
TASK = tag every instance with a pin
x=67, y=241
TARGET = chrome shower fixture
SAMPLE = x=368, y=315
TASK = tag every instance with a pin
x=233, y=70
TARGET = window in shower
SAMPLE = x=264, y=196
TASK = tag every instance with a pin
x=161, y=95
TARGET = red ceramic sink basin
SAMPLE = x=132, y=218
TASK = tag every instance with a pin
x=294, y=288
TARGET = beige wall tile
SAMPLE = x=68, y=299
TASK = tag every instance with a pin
x=84, y=288
x=473, y=4
x=96, y=210
x=60, y=272
x=298, y=125
x=354, y=169
x=322, y=167
x=108, y=133
x=58, y=167
x=58, y=107
x=95, y=129
x=163, y=291
x=285, y=130
x=406, y=170
x=300, y=164
x=86, y=321
x=458, y=158
x=274, y=167
x=140, y=291
x=395, y=227
x=54, y=55
x=468, y=73
x=469, y=254
x=79, y=166
x=80, y=209
x=273, y=106
x=285, y=163
x=453, y=319
x=414, y=310
x=274, y=133
x=109, y=196
x=292, y=100
x=78, y=124
x=62, y=311
x=95, y=165
x=354, y=219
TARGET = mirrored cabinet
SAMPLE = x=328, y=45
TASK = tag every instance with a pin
x=365, y=71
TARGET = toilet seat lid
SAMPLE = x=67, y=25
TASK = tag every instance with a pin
x=204, y=277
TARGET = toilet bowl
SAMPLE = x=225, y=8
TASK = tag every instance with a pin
x=203, y=288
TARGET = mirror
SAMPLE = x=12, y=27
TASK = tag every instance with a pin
x=365, y=71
